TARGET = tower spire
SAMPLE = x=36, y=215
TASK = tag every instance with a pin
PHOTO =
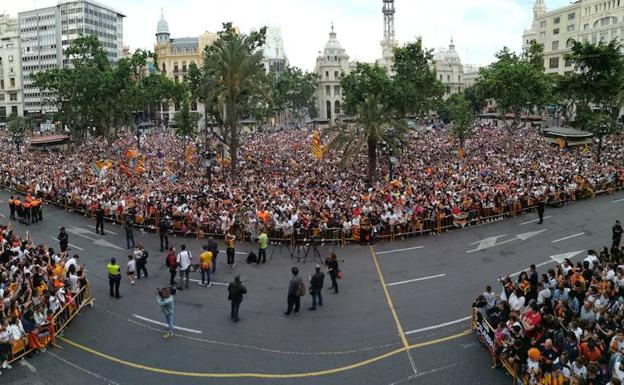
x=388, y=12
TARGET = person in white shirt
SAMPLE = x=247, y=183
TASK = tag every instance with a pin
x=490, y=297
x=591, y=258
x=184, y=265
x=516, y=301
x=72, y=261
x=543, y=294
x=131, y=269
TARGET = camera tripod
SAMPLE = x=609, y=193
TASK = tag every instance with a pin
x=305, y=247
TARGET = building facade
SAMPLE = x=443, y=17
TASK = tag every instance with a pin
x=175, y=55
x=584, y=20
x=273, y=55
x=449, y=69
x=10, y=69
x=331, y=64
x=46, y=32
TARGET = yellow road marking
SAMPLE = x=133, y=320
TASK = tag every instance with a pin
x=389, y=300
x=263, y=375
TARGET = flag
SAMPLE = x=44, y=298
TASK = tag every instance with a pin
x=95, y=168
x=138, y=168
x=317, y=148
x=131, y=154
x=188, y=154
x=561, y=143
x=462, y=152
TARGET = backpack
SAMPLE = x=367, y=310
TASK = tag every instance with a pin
x=301, y=290
x=171, y=262
x=252, y=258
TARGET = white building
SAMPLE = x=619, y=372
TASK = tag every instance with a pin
x=449, y=69
x=273, y=55
x=10, y=69
x=471, y=74
x=583, y=20
x=46, y=32
x=331, y=64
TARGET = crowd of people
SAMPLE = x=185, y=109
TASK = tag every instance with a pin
x=565, y=326
x=281, y=186
x=36, y=282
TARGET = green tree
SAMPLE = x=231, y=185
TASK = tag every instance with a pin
x=368, y=95
x=185, y=120
x=596, y=86
x=461, y=116
x=416, y=87
x=17, y=126
x=517, y=84
x=233, y=64
x=294, y=92
x=474, y=99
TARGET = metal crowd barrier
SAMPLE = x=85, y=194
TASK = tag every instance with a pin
x=47, y=334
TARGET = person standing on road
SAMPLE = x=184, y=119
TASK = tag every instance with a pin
x=296, y=290
x=316, y=285
x=63, y=239
x=99, y=219
x=140, y=256
x=163, y=228
x=213, y=247
x=114, y=277
x=129, y=227
x=617, y=235
x=229, y=248
x=165, y=300
x=263, y=245
x=172, y=264
x=332, y=269
x=18, y=208
x=236, y=290
x=540, y=210
x=12, y=207
x=184, y=265
x=205, y=263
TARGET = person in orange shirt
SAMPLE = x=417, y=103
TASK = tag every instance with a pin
x=591, y=351
x=26, y=212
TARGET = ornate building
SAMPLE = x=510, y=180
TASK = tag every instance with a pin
x=10, y=69
x=331, y=64
x=175, y=55
x=389, y=42
x=449, y=69
x=273, y=55
x=583, y=20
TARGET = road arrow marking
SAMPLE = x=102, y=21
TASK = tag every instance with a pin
x=560, y=257
x=568, y=237
x=105, y=243
x=493, y=241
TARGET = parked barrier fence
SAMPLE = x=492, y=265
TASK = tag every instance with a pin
x=417, y=225
x=46, y=335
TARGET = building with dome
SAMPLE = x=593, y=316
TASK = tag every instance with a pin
x=582, y=20
x=175, y=55
x=449, y=69
x=331, y=64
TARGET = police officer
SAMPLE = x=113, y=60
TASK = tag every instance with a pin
x=12, y=207
x=114, y=277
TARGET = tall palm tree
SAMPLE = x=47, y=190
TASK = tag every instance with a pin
x=375, y=127
x=233, y=63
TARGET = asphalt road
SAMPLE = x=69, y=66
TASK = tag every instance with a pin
x=401, y=316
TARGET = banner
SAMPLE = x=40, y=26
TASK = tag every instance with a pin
x=317, y=148
x=485, y=333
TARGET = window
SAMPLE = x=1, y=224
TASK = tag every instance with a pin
x=568, y=62
x=555, y=45
x=1, y=84
x=1, y=97
x=585, y=27
x=570, y=28
x=569, y=43
x=164, y=68
x=337, y=106
x=440, y=77
x=337, y=90
x=3, y=112
x=554, y=62
x=10, y=58
x=556, y=20
x=543, y=34
x=327, y=91
x=193, y=105
x=13, y=96
x=175, y=79
x=336, y=76
x=556, y=31
x=14, y=110
x=448, y=78
x=327, y=75
x=571, y=16
x=543, y=24
x=183, y=67
x=12, y=82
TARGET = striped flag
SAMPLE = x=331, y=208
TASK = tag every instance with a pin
x=317, y=148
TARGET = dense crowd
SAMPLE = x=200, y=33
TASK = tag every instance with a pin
x=35, y=283
x=280, y=185
x=565, y=326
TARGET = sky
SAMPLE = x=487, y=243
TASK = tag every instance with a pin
x=479, y=28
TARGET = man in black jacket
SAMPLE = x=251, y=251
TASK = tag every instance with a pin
x=163, y=227
x=617, y=235
x=213, y=247
x=99, y=219
x=235, y=295
x=316, y=285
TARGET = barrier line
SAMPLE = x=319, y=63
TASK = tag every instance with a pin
x=319, y=373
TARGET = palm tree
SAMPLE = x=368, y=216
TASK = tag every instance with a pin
x=375, y=127
x=234, y=70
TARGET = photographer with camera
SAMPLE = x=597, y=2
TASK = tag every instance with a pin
x=166, y=302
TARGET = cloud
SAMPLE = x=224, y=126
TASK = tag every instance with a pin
x=479, y=27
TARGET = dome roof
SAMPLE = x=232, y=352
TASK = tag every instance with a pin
x=163, y=26
x=450, y=56
x=333, y=47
